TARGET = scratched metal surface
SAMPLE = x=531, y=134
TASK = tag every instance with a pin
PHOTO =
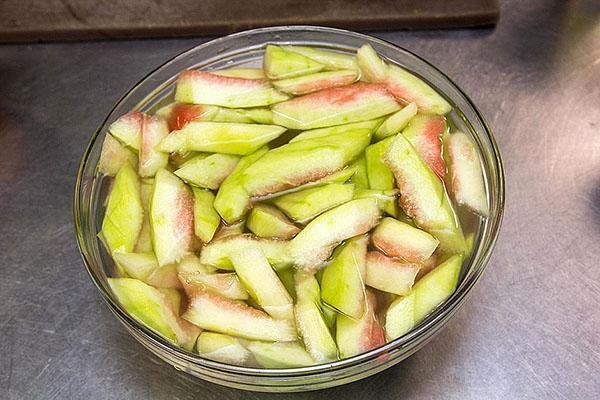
x=530, y=330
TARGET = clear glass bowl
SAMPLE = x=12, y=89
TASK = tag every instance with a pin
x=246, y=49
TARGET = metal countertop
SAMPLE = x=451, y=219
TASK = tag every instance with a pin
x=531, y=329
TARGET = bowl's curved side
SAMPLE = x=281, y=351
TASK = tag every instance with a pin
x=240, y=49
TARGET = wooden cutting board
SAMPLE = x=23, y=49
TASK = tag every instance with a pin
x=50, y=20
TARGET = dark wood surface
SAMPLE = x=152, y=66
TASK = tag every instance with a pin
x=38, y=20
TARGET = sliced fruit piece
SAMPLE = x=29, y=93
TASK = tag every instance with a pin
x=398, y=239
x=427, y=294
x=217, y=253
x=314, y=244
x=361, y=335
x=360, y=179
x=262, y=283
x=301, y=162
x=435, y=287
x=200, y=87
x=171, y=218
x=280, y=64
x=220, y=137
x=400, y=316
x=380, y=176
x=336, y=106
x=280, y=355
x=154, y=130
x=304, y=205
x=128, y=130
x=314, y=82
x=244, y=115
x=334, y=130
x=343, y=280
x=114, y=155
x=223, y=348
x=227, y=285
x=372, y=67
x=137, y=265
x=216, y=313
x=124, y=213
x=405, y=86
x=153, y=308
x=268, y=222
x=309, y=320
x=208, y=172
x=390, y=275
x=423, y=196
x=289, y=166
x=396, y=122
x=246, y=73
x=144, y=241
x=466, y=174
x=340, y=176
x=424, y=132
x=232, y=199
x=330, y=59
x=408, y=88
x=206, y=218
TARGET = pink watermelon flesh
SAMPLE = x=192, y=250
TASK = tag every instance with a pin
x=361, y=335
x=114, y=155
x=151, y=160
x=128, y=129
x=424, y=132
x=336, y=106
x=200, y=87
x=183, y=114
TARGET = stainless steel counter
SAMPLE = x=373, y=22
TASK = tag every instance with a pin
x=530, y=330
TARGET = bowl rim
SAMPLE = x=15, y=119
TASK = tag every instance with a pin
x=434, y=320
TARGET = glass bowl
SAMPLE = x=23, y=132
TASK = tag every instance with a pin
x=246, y=49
